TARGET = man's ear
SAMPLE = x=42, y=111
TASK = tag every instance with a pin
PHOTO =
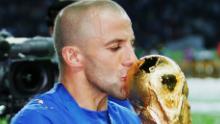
x=71, y=56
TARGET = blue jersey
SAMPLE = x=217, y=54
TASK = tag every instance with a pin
x=124, y=103
x=58, y=107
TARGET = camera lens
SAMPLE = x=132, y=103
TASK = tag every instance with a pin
x=31, y=77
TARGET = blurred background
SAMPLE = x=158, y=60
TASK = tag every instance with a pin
x=187, y=31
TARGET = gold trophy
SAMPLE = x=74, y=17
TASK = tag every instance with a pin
x=158, y=90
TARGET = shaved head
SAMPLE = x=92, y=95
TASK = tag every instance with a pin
x=80, y=21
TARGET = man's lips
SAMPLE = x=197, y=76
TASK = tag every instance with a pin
x=123, y=74
x=124, y=78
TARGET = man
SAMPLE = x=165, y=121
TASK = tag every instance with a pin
x=53, y=10
x=93, y=41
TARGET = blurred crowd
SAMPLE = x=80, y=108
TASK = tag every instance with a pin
x=171, y=24
x=161, y=21
x=24, y=18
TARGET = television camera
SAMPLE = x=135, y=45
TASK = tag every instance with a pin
x=28, y=66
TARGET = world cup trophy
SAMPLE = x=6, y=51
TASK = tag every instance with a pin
x=158, y=91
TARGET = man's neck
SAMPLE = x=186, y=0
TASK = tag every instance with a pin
x=86, y=94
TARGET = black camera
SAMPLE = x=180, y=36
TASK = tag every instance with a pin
x=28, y=66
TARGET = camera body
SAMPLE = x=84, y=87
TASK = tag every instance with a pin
x=28, y=66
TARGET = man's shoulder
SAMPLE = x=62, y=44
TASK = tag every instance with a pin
x=42, y=102
x=30, y=114
x=123, y=114
x=39, y=109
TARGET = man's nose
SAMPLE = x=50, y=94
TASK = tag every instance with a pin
x=130, y=57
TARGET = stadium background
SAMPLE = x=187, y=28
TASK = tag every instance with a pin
x=188, y=31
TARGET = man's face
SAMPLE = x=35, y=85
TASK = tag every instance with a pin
x=109, y=53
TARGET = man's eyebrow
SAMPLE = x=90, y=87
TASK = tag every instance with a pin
x=114, y=41
x=118, y=41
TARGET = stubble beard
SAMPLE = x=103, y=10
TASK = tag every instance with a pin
x=109, y=84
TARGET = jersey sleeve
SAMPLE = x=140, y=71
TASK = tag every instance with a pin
x=30, y=117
